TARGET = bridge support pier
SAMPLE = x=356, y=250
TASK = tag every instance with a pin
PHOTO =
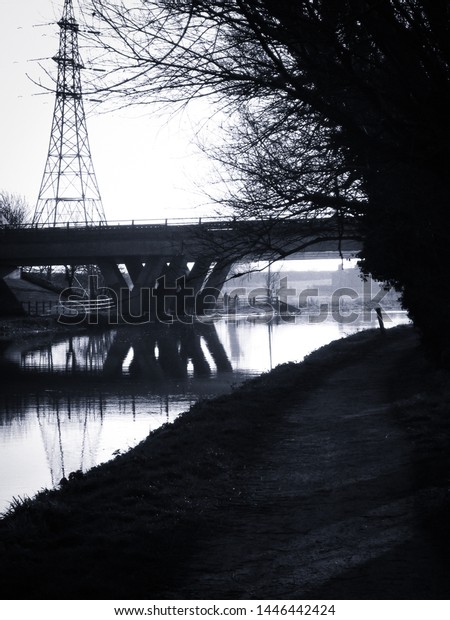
x=181, y=291
x=198, y=274
x=134, y=268
x=141, y=301
x=207, y=298
x=115, y=282
x=176, y=268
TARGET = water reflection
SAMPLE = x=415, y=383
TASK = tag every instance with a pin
x=155, y=353
x=71, y=402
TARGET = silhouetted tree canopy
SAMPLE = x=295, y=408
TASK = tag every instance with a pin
x=343, y=105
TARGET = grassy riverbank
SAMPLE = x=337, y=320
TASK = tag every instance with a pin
x=355, y=437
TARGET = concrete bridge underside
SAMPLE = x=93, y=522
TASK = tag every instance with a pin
x=203, y=254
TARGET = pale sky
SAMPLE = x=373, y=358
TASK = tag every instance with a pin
x=146, y=167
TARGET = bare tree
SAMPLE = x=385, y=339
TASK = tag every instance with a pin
x=14, y=210
x=360, y=89
x=279, y=163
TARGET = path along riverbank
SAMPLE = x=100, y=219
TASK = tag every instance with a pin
x=325, y=479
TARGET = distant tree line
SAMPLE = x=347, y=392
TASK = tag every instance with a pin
x=338, y=109
x=14, y=210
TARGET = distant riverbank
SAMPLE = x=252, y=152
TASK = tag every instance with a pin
x=327, y=478
x=15, y=328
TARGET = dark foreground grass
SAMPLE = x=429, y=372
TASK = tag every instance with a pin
x=126, y=528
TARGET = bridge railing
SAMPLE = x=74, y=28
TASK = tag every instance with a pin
x=147, y=223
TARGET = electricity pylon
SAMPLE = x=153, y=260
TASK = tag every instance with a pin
x=69, y=190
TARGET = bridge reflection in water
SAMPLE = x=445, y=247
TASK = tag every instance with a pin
x=71, y=402
x=152, y=352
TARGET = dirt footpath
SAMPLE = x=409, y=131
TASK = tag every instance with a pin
x=348, y=498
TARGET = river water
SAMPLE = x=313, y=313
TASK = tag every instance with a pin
x=70, y=402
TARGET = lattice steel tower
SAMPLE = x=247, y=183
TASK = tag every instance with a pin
x=69, y=190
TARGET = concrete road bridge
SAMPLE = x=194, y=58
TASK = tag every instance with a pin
x=201, y=251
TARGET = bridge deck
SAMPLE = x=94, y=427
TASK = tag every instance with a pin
x=215, y=238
